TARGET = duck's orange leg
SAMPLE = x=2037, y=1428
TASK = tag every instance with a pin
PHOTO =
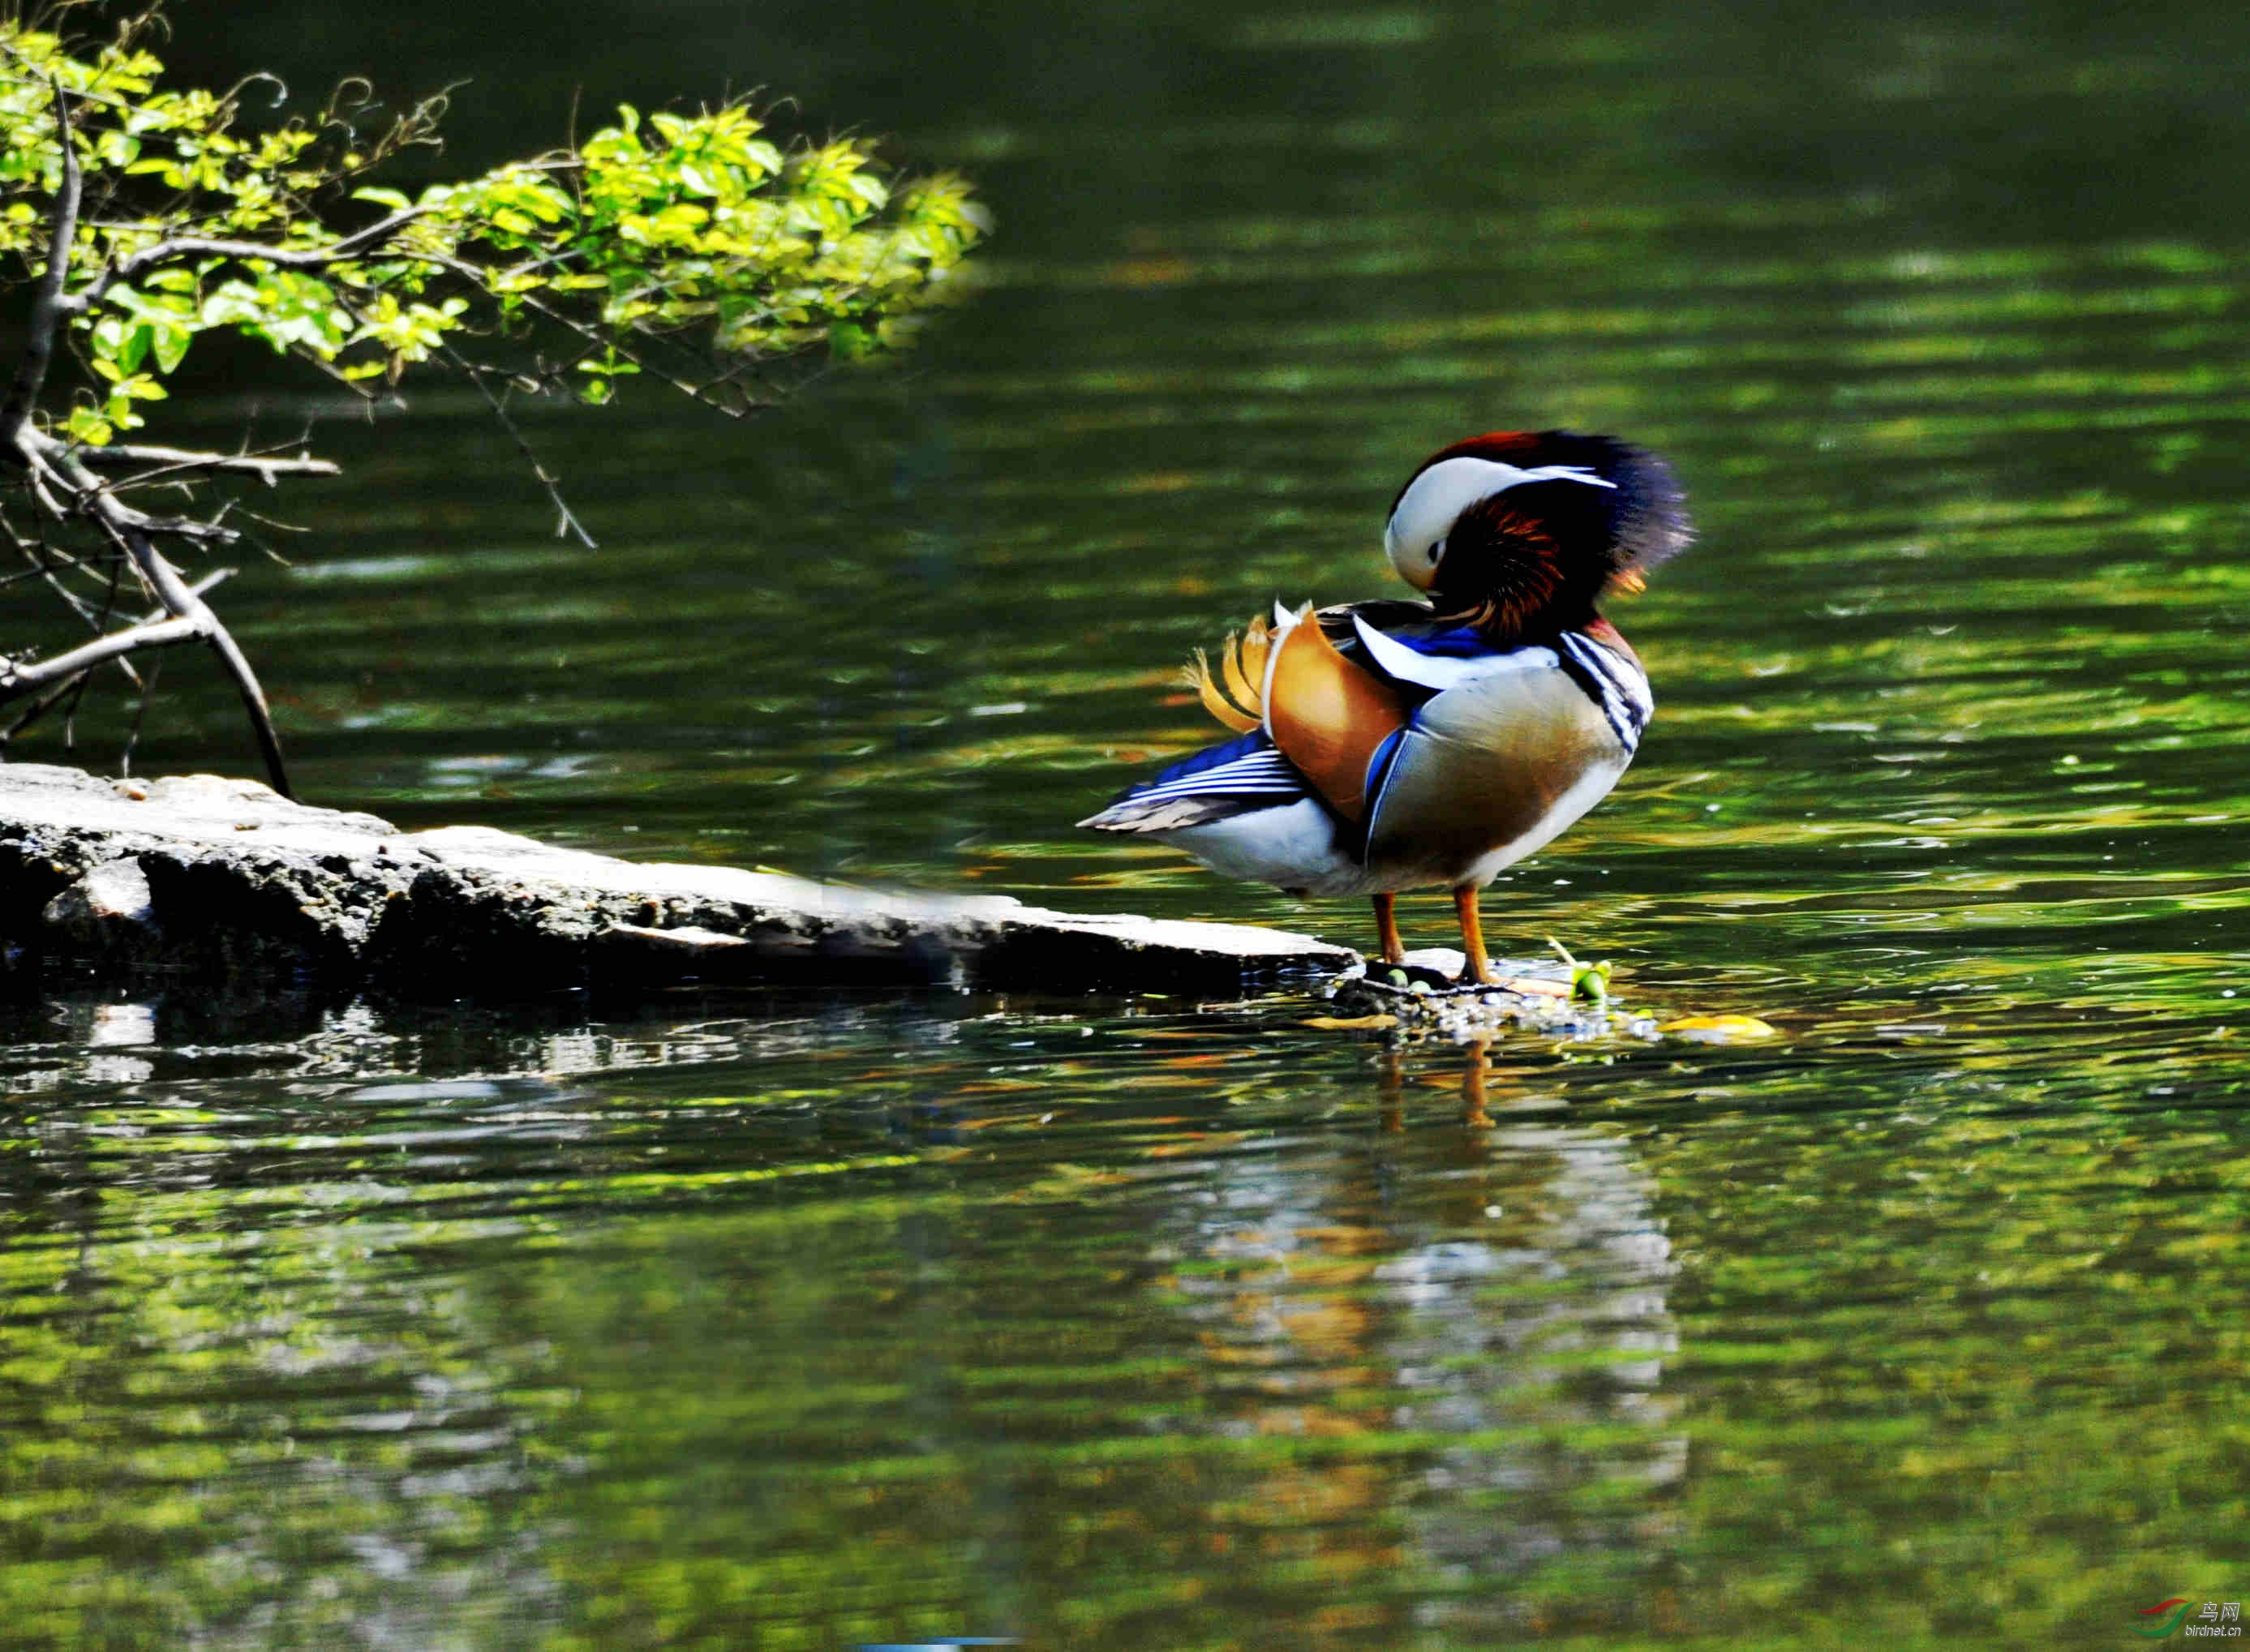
x=1465, y=905
x=1386, y=929
x=1475, y=1096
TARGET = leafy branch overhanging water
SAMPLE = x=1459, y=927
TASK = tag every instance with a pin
x=690, y=247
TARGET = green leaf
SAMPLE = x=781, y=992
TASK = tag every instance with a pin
x=134, y=349
x=87, y=425
x=171, y=346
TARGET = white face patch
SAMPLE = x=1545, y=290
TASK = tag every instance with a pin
x=1415, y=540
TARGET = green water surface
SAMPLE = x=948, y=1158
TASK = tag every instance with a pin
x=1150, y=1323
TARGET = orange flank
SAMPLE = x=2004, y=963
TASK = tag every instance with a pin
x=1328, y=715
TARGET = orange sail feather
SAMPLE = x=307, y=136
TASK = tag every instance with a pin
x=1329, y=715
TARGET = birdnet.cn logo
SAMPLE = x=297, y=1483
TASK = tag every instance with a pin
x=2222, y=1618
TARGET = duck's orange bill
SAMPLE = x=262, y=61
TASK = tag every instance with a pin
x=1328, y=715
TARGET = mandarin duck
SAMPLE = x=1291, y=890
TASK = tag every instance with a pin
x=1401, y=744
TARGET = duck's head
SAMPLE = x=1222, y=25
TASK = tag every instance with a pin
x=1520, y=527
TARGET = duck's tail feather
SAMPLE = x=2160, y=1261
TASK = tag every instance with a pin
x=1235, y=694
x=1198, y=678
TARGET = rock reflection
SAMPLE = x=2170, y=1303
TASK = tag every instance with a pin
x=64, y=1040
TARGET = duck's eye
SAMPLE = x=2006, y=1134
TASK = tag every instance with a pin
x=1437, y=550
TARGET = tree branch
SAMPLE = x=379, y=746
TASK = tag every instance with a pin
x=49, y=307
x=55, y=696
x=120, y=455
x=129, y=530
x=180, y=597
x=21, y=677
x=357, y=245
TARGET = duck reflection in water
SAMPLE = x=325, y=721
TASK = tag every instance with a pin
x=1515, y=1302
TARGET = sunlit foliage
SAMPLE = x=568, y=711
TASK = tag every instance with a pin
x=693, y=246
x=698, y=229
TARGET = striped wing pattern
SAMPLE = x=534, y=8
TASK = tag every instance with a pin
x=1233, y=778
x=1617, y=686
x=1262, y=771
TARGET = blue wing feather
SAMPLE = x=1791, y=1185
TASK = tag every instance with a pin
x=1230, y=779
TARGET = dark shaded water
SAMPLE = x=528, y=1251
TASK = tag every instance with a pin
x=1161, y=1325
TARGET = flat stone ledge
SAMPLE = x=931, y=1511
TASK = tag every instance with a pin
x=201, y=873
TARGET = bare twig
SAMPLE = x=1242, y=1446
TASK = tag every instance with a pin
x=39, y=708
x=101, y=626
x=22, y=676
x=171, y=460
x=43, y=559
x=566, y=521
x=140, y=714
x=180, y=598
x=129, y=531
x=61, y=690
